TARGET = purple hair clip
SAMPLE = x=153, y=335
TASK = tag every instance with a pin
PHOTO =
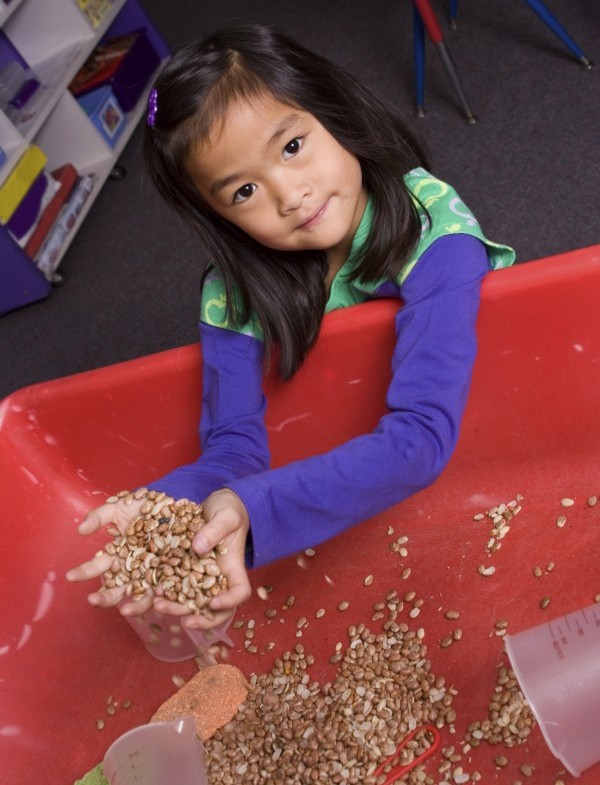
x=152, y=107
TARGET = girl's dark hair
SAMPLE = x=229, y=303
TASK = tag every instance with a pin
x=284, y=290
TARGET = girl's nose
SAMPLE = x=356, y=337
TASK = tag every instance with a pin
x=290, y=194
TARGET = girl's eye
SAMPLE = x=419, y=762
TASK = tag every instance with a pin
x=243, y=193
x=292, y=147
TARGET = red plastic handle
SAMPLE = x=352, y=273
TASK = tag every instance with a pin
x=398, y=771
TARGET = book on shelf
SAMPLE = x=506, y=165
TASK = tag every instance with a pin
x=20, y=180
x=96, y=10
x=48, y=257
x=24, y=219
x=65, y=179
x=102, y=64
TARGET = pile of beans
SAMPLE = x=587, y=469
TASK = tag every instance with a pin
x=510, y=719
x=291, y=729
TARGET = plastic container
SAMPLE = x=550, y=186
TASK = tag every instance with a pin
x=166, y=639
x=531, y=426
x=155, y=754
x=558, y=668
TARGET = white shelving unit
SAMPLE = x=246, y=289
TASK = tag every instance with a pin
x=55, y=38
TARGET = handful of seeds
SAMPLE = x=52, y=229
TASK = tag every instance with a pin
x=155, y=553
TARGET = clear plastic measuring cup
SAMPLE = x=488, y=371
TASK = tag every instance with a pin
x=155, y=754
x=557, y=665
x=167, y=640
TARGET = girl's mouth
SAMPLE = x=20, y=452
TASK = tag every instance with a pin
x=315, y=217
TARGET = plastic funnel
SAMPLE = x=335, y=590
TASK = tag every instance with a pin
x=155, y=754
x=167, y=640
x=557, y=665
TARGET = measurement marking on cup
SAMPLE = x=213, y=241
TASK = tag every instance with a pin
x=557, y=648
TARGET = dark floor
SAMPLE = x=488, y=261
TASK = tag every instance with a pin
x=530, y=168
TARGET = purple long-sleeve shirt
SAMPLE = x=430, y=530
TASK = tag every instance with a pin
x=308, y=501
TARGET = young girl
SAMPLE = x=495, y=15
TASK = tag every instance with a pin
x=309, y=194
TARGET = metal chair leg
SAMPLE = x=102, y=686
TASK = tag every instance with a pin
x=419, y=61
x=538, y=7
x=546, y=16
x=453, y=14
x=435, y=33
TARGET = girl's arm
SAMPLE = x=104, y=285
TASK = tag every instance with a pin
x=232, y=428
x=308, y=501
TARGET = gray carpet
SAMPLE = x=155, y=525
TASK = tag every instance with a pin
x=530, y=168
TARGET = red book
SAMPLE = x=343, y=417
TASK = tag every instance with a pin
x=67, y=176
x=102, y=64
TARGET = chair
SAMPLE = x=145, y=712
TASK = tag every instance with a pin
x=424, y=18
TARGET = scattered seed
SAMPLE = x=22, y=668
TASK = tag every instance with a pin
x=566, y=502
x=368, y=580
x=457, y=634
x=592, y=501
x=597, y=598
x=414, y=613
x=452, y=614
x=550, y=566
x=100, y=724
x=290, y=600
x=343, y=605
x=262, y=592
x=501, y=761
x=482, y=570
x=445, y=642
x=544, y=602
x=537, y=571
x=561, y=521
x=110, y=710
x=526, y=769
x=178, y=681
x=310, y=552
x=126, y=703
x=405, y=573
x=270, y=613
x=301, y=622
x=320, y=613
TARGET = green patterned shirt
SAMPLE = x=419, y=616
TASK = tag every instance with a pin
x=448, y=214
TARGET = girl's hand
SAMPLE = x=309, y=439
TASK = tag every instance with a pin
x=227, y=522
x=120, y=515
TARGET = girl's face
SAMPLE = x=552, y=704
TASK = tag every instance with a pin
x=276, y=173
